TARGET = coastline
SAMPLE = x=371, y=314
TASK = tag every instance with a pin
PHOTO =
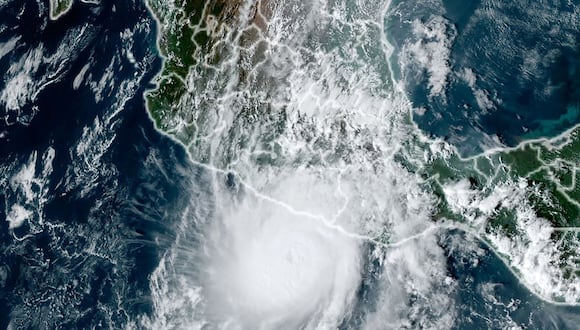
x=448, y=150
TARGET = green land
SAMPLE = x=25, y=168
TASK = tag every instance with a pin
x=59, y=8
x=183, y=41
x=551, y=165
x=547, y=169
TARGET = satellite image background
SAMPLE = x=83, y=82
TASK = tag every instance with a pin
x=176, y=164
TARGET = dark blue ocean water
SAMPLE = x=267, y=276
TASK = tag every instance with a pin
x=83, y=259
x=525, y=61
x=103, y=211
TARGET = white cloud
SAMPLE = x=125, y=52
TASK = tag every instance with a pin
x=430, y=50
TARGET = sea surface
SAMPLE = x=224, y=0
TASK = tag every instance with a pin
x=492, y=73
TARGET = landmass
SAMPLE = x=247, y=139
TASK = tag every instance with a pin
x=188, y=30
x=524, y=201
x=59, y=8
